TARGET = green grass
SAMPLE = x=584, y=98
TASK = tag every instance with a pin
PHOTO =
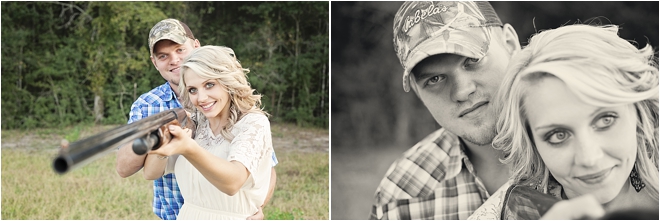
x=302, y=187
x=32, y=190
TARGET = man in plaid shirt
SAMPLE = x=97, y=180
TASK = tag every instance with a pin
x=454, y=55
x=170, y=41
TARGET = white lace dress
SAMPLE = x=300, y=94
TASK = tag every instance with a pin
x=490, y=210
x=252, y=146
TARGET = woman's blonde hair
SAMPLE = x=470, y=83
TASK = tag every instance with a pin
x=598, y=66
x=220, y=63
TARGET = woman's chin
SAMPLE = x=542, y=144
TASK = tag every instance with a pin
x=607, y=194
x=605, y=197
x=603, y=194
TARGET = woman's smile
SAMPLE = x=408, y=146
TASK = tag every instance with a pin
x=597, y=177
x=207, y=107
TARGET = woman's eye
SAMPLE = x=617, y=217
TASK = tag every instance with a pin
x=605, y=121
x=192, y=90
x=557, y=137
x=209, y=85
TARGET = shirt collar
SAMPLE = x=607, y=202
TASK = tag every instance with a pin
x=167, y=92
x=463, y=156
x=455, y=153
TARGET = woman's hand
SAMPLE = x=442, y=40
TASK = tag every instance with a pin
x=582, y=207
x=181, y=142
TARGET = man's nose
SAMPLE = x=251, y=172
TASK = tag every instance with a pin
x=175, y=58
x=463, y=86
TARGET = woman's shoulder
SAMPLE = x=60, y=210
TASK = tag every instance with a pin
x=253, y=119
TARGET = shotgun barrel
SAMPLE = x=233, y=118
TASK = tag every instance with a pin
x=145, y=133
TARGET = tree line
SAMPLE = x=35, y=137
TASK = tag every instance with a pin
x=65, y=63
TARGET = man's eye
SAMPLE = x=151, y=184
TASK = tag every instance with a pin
x=181, y=49
x=209, y=85
x=435, y=79
x=472, y=61
x=161, y=57
x=192, y=90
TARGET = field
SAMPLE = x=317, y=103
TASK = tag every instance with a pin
x=32, y=190
x=356, y=173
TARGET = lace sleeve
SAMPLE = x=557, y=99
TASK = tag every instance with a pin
x=492, y=208
x=252, y=141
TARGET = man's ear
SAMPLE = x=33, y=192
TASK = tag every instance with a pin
x=511, y=42
x=153, y=61
x=413, y=84
x=196, y=44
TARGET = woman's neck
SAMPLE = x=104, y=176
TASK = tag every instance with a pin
x=629, y=198
x=220, y=121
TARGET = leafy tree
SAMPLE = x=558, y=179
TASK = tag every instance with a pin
x=64, y=63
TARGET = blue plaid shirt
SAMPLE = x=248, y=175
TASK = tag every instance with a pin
x=167, y=197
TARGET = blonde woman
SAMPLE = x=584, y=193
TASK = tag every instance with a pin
x=579, y=120
x=224, y=172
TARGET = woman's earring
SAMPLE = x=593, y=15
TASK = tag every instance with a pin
x=538, y=185
x=635, y=180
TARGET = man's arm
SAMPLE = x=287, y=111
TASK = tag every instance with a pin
x=383, y=208
x=128, y=163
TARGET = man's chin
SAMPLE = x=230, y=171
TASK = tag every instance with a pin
x=478, y=141
x=481, y=138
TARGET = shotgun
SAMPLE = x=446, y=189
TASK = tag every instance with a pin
x=147, y=134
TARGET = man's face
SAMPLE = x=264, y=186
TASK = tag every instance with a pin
x=168, y=56
x=458, y=91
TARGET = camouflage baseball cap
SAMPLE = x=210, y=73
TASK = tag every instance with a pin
x=423, y=29
x=169, y=29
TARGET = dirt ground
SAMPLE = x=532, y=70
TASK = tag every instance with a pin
x=291, y=137
x=286, y=137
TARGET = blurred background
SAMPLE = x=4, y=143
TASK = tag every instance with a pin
x=64, y=63
x=374, y=120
